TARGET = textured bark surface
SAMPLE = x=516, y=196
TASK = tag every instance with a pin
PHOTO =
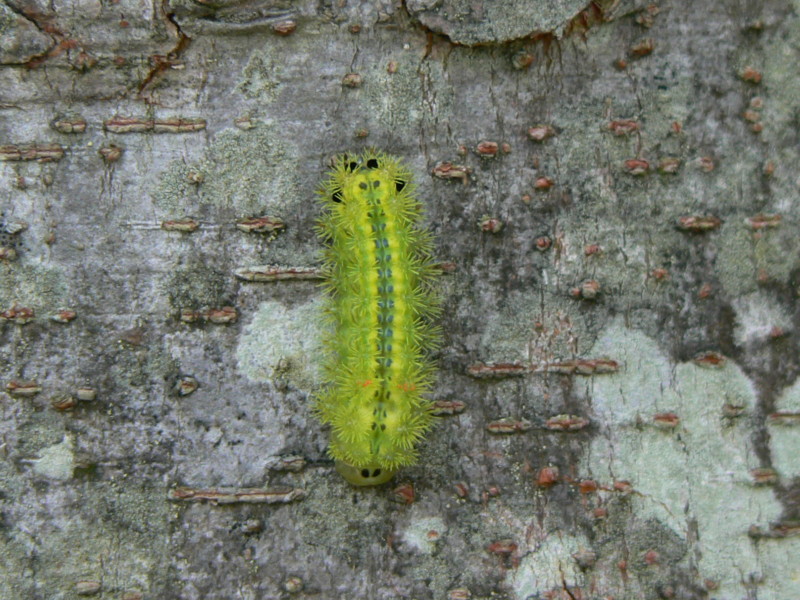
x=613, y=188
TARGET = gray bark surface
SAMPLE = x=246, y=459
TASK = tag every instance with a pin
x=613, y=190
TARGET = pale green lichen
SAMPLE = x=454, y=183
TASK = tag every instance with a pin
x=746, y=258
x=252, y=172
x=175, y=195
x=549, y=566
x=423, y=533
x=283, y=342
x=531, y=329
x=105, y=516
x=770, y=254
x=113, y=517
x=775, y=59
x=785, y=438
x=736, y=264
x=695, y=475
x=778, y=564
x=41, y=429
x=198, y=287
x=33, y=285
x=57, y=461
x=759, y=317
x=396, y=101
x=260, y=76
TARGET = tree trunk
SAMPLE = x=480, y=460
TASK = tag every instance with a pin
x=613, y=193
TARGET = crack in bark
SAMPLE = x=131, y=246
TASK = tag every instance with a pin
x=54, y=33
x=24, y=14
x=45, y=23
x=163, y=62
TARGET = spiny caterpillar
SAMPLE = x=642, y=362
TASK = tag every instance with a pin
x=380, y=303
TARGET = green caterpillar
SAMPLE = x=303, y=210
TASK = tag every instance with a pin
x=380, y=303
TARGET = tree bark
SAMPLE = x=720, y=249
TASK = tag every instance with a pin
x=612, y=187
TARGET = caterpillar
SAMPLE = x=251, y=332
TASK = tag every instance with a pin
x=380, y=304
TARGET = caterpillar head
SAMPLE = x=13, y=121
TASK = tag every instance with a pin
x=354, y=174
x=370, y=475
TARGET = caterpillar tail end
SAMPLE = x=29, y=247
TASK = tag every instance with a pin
x=370, y=475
